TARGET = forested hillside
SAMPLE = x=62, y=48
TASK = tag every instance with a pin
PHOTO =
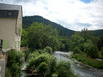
x=28, y=20
x=98, y=32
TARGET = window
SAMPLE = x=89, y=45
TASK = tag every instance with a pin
x=9, y=13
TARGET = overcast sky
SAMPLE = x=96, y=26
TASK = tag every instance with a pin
x=72, y=14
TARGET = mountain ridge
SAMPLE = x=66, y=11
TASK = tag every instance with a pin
x=28, y=20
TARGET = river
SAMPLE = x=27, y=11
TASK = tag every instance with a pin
x=78, y=69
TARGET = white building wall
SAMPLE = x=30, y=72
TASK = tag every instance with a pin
x=7, y=31
x=18, y=30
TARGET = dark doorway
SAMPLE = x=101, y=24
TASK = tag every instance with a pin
x=1, y=44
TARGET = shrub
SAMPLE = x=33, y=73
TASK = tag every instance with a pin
x=7, y=73
x=43, y=67
x=54, y=75
x=48, y=49
x=101, y=53
x=77, y=50
x=45, y=64
x=63, y=69
x=42, y=63
x=14, y=62
x=33, y=55
x=82, y=57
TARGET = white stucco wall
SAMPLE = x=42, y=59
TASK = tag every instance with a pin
x=18, y=30
x=10, y=30
x=7, y=31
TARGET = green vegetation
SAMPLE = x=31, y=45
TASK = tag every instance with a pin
x=82, y=57
x=82, y=42
x=39, y=36
x=86, y=49
x=101, y=53
x=42, y=63
x=46, y=65
x=14, y=63
x=63, y=69
x=42, y=38
x=7, y=73
x=48, y=50
x=28, y=20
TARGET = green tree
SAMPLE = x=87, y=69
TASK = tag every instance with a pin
x=48, y=49
x=101, y=53
x=76, y=42
x=24, y=39
x=39, y=36
x=43, y=67
x=14, y=62
x=65, y=45
x=79, y=43
x=90, y=49
x=43, y=63
x=63, y=69
x=100, y=42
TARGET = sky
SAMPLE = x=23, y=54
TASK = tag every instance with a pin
x=72, y=14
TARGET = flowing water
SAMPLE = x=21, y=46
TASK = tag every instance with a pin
x=77, y=68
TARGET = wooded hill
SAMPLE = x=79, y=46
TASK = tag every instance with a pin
x=28, y=20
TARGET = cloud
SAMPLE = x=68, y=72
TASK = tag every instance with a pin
x=72, y=14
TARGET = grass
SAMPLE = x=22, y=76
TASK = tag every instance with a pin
x=82, y=57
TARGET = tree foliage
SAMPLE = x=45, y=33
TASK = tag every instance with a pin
x=28, y=20
x=84, y=42
x=42, y=63
x=38, y=36
x=14, y=62
x=47, y=65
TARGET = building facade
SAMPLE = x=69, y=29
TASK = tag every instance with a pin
x=10, y=26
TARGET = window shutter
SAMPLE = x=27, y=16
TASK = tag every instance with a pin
x=5, y=44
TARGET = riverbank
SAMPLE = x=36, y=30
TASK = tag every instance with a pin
x=78, y=68
x=90, y=62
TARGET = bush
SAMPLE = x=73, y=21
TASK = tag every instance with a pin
x=82, y=57
x=48, y=49
x=77, y=50
x=101, y=53
x=7, y=73
x=54, y=75
x=14, y=62
x=45, y=64
x=63, y=69
x=33, y=55
x=43, y=67
x=42, y=63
